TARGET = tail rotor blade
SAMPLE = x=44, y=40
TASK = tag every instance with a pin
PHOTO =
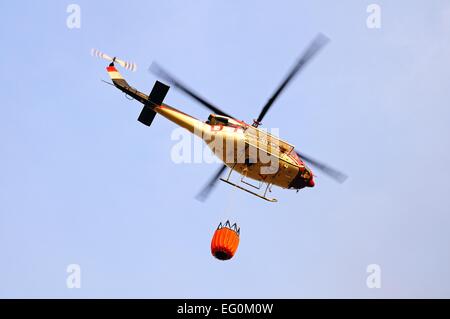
x=101, y=55
x=127, y=65
x=333, y=173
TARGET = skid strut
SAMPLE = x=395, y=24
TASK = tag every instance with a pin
x=268, y=187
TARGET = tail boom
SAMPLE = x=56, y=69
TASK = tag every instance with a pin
x=153, y=103
x=121, y=84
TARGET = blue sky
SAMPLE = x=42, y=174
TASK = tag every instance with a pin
x=82, y=182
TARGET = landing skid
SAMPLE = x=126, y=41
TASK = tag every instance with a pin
x=272, y=200
x=268, y=187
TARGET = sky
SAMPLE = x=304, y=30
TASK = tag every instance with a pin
x=82, y=182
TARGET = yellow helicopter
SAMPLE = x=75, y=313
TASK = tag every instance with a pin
x=252, y=152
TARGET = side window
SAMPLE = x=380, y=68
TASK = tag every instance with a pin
x=222, y=120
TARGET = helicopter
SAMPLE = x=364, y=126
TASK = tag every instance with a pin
x=242, y=140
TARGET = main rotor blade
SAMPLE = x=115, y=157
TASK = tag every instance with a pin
x=319, y=41
x=333, y=173
x=203, y=195
x=159, y=71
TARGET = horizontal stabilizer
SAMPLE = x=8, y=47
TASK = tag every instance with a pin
x=155, y=98
x=147, y=115
x=158, y=93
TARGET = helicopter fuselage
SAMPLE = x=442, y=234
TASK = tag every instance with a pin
x=252, y=152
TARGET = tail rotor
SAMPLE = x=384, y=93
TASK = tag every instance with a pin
x=127, y=65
